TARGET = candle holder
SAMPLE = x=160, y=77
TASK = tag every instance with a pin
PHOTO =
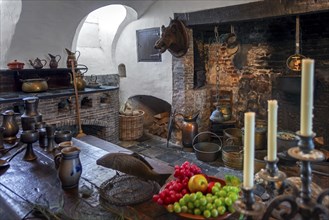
x=272, y=175
x=300, y=201
x=248, y=206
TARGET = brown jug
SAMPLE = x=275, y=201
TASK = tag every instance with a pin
x=53, y=63
x=71, y=56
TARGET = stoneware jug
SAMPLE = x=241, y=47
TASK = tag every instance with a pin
x=10, y=126
x=53, y=63
x=69, y=167
x=189, y=128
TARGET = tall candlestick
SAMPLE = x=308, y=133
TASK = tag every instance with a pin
x=272, y=129
x=306, y=107
x=249, y=150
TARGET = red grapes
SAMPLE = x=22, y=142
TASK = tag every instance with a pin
x=177, y=188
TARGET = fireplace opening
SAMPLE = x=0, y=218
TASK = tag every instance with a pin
x=153, y=109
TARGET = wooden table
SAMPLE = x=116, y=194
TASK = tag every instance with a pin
x=29, y=186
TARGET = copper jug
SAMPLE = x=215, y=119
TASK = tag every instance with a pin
x=53, y=63
x=10, y=126
x=72, y=56
x=79, y=80
x=189, y=128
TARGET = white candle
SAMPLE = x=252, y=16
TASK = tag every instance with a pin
x=249, y=150
x=272, y=129
x=306, y=107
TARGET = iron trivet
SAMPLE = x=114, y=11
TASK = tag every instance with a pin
x=127, y=190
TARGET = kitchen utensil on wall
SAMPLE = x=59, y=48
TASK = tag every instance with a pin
x=69, y=167
x=294, y=62
x=31, y=115
x=38, y=63
x=189, y=128
x=74, y=56
x=53, y=63
x=15, y=65
x=34, y=85
x=10, y=126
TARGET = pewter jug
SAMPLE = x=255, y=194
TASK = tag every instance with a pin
x=31, y=115
x=189, y=128
x=69, y=167
x=10, y=126
x=1, y=137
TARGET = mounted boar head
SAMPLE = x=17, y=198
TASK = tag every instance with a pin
x=174, y=38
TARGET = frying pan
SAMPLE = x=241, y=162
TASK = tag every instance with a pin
x=294, y=62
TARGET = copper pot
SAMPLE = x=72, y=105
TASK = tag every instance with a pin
x=34, y=85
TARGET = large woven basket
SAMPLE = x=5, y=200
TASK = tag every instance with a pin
x=131, y=127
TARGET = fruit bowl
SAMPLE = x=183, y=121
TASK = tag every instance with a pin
x=201, y=217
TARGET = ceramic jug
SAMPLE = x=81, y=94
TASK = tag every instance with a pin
x=31, y=115
x=189, y=128
x=69, y=167
x=10, y=126
x=71, y=56
x=37, y=63
x=53, y=63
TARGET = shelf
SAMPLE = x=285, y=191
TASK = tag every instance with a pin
x=37, y=71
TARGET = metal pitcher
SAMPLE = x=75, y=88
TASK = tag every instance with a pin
x=10, y=126
x=189, y=128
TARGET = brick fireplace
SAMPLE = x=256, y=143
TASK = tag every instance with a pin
x=255, y=73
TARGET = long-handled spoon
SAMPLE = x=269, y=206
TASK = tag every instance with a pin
x=5, y=162
x=5, y=151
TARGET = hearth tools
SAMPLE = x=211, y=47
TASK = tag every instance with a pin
x=294, y=62
x=50, y=131
x=171, y=126
x=29, y=137
x=80, y=132
x=216, y=115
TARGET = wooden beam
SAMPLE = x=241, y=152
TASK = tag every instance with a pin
x=253, y=11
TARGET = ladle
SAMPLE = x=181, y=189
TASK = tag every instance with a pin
x=5, y=162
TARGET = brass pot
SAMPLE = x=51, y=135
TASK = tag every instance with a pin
x=34, y=85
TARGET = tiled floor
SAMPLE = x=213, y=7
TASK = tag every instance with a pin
x=156, y=148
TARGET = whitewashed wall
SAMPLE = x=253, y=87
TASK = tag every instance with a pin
x=43, y=27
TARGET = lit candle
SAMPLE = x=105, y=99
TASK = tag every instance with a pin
x=272, y=129
x=306, y=107
x=249, y=150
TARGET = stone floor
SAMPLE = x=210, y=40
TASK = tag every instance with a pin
x=156, y=148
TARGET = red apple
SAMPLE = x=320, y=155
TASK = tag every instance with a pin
x=197, y=183
x=210, y=185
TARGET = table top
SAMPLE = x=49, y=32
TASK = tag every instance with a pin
x=34, y=185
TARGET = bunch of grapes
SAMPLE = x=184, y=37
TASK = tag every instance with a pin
x=177, y=188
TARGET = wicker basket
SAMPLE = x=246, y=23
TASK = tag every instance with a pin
x=131, y=127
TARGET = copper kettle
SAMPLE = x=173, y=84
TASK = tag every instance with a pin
x=189, y=128
x=79, y=80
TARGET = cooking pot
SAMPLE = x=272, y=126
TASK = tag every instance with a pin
x=15, y=65
x=34, y=85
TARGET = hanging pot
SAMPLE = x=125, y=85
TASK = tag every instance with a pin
x=34, y=85
x=294, y=62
